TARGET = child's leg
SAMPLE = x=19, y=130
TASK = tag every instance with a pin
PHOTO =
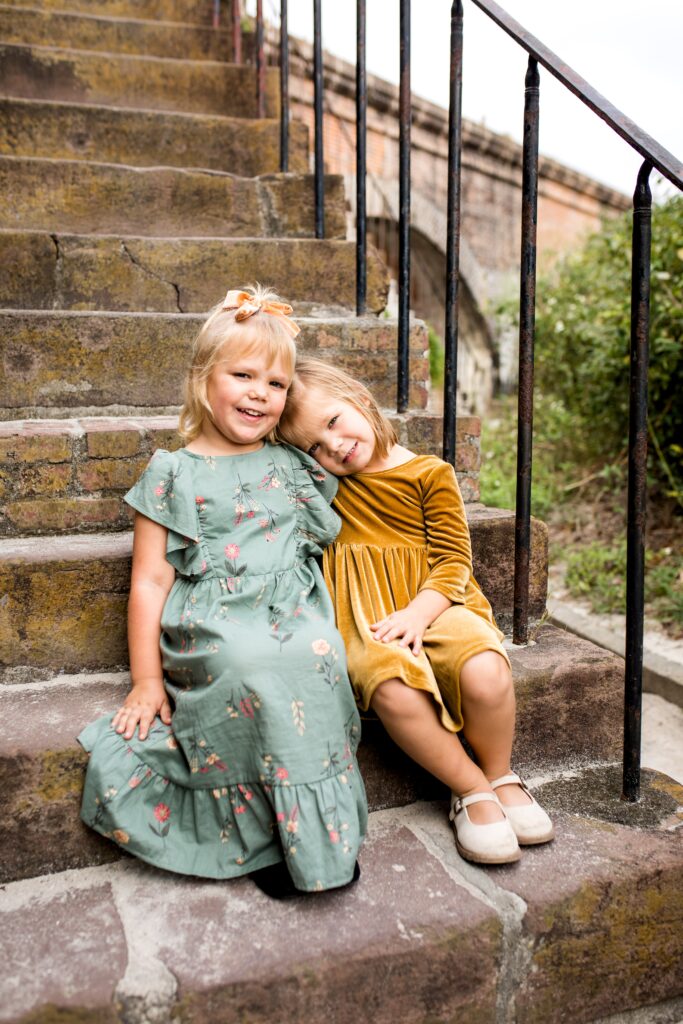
x=488, y=706
x=411, y=719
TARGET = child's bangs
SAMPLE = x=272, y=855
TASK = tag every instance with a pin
x=263, y=334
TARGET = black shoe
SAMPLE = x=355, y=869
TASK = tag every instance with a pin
x=275, y=881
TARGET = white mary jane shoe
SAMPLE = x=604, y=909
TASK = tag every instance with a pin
x=494, y=843
x=529, y=821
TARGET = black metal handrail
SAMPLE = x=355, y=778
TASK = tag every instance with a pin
x=656, y=157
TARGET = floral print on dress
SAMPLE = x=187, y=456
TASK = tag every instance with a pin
x=233, y=569
x=271, y=480
x=327, y=665
x=165, y=491
x=272, y=774
x=162, y=813
x=201, y=759
x=245, y=506
x=245, y=706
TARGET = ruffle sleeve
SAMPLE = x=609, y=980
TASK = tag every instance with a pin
x=315, y=488
x=164, y=494
x=449, y=550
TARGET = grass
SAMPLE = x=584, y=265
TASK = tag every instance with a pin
x=585, y=509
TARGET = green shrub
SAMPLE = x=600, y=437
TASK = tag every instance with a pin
x=583, y=340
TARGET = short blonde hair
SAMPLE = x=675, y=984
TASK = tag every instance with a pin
x=314, y=375
x=222, y=334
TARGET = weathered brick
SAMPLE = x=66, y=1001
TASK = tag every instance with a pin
x=112, y=443
x=60, y=515
x=109, y=474
x=34, y=447
x=36, y=479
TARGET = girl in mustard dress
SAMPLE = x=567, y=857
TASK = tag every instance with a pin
x=423, y=649
x=234, y=752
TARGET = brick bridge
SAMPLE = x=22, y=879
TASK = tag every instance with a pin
x=569, y=206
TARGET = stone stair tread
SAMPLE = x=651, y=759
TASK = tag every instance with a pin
x=422, y=936
x=129, y=80
x=127, y=8
x=146, y=137
x=94, y=197
x=125, y=272
x=30, y=25
x=559, y=679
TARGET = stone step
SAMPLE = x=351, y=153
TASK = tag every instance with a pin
x=31, y=26
x=79, y=197
x=587, y=928
x=64, y=597
x=144, y=138
x=569, y=696
x=158, y=83
x=195, y=11
x=69, y=476
x=169, y=275
x=67, y=364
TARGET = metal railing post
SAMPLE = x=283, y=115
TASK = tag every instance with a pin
x=260, y=62
x=527, y=316
x=450, y=384
x=284, y=88
x=216, y=14
x=236, y=32
x=637, y=481
x=404, y=213
x=361, y=139
x=318, y=105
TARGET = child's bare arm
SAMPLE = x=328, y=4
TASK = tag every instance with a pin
x=410, y=622
x=151, y=580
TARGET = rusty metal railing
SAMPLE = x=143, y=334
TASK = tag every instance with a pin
x=655, y=157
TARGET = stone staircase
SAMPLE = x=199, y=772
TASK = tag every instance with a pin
x=139, y=186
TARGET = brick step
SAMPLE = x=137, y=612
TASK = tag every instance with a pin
x=84, y=76
x=31, y=26
x=75, y=196
x=66, y=364
x=569, y=696
x=587, y=928
x=69, y=476
x=144, y=138
x=64, y=597
x=199, y=12
x=170, y=275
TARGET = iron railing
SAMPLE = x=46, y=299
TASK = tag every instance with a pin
x=655, y=157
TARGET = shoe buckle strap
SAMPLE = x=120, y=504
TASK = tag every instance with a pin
x=458, y=803
x=511, y=779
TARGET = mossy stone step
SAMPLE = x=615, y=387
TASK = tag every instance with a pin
x=198, y=12
x=44, y=271
x=587, y=928
x=144, y=138
x=83, y=76
x=117, y=362
x=30, y=26
x=64, y=597
x=69, y=476
x=75, y=196
x=569, y=696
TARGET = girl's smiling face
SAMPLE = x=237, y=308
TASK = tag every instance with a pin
x=337, y=435
x=246, y=398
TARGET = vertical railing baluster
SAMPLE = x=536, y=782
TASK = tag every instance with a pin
x=260, y=62
x=527, y=317
x=318, y=106
x=361, y=135
x=404, y=212
x=284, y=88
x=450, y=385
x=637, y=481
x=236, y=32
x=216, y=13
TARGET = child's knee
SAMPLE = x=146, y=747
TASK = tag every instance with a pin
x=486, y=679
x=394, y=697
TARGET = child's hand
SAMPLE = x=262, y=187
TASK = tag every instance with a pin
x=145, y=701
x=404, y=623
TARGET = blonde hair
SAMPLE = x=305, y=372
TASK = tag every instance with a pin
x=314, y=375
x=222, y=335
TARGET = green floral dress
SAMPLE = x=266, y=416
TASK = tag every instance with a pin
x=259, y=764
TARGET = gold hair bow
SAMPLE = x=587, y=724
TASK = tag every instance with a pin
x=246, y=306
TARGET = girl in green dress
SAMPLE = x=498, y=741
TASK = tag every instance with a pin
x=235, y=750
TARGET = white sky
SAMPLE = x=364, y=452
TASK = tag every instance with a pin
x=629, y=50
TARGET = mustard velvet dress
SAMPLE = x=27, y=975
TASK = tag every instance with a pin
x=404, y=530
